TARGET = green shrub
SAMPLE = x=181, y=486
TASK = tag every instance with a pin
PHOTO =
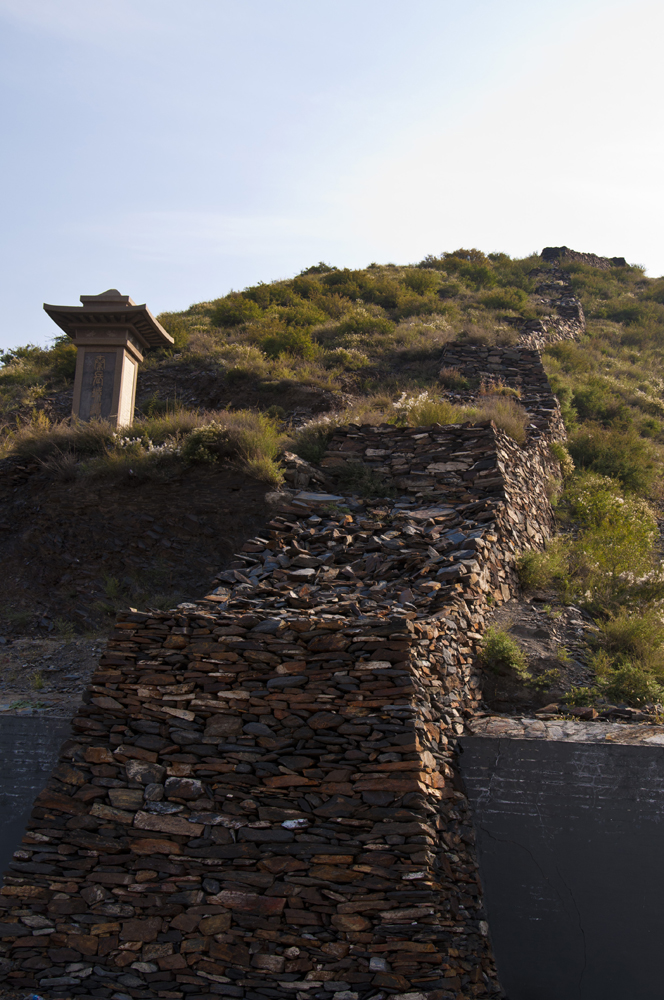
x=363, y=324
x=634, y=633
x=630, y=683
x=63, y=359
x=507, y=414
x=206, y=444
x=622, y=455
x=310, y=441
x=355, y=477
x=351, y=359
x=542, y=570
x=581, y=696
x=424, y=409
x=345, y=282
x=571, y=356
x=306, y=288
x=288, y=340
x=472, y=256
x=562, y=455
x=596, y=401
x=514, y=299
x=178, y=329
x=302, y=314
x=421, y=281
x=451, y=378
x=615, y=547
x=234, y=310
x=449, y=290
x=320, y=268
x=503, y=655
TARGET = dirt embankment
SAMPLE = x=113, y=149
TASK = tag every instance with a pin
x=69, y=550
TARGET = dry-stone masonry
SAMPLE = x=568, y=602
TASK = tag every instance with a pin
x=259, y=797
x=554, y=254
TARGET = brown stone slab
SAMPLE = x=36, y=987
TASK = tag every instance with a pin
x=148, y=845
x=63, y=803
x=334, y=873
x=287, y=780
x=99, y=755
x=135, y=753
x=126, y=798
x=390, y=785
x=141, y=929
x=167, y=824
x=102, y=811
x=247, y=902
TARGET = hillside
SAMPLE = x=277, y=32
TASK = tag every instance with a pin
x=324, y=605
x=276, y=368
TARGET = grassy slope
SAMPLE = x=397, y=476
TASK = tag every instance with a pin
x=612, y=383
x=377, y=333
x=373, y=330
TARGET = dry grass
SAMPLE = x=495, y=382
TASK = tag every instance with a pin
x=70, y=448
x=417, y=410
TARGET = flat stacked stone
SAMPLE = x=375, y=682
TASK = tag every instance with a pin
x=555, y=254
x=259, y=799
x=251, y=802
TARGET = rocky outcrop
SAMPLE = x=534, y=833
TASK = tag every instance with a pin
x=555, y=254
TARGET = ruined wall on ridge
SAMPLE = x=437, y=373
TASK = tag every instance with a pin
x=259, y=799
x=555, y=254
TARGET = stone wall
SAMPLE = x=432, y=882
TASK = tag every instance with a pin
x=555, y=254
x=259, y=799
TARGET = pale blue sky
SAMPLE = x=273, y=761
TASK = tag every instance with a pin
x=176, y=149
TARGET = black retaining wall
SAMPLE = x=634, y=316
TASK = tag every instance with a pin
x=570, y=838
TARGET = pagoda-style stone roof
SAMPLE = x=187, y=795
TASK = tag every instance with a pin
x=110, y=309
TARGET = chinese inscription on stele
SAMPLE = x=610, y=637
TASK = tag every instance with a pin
x=97, y=385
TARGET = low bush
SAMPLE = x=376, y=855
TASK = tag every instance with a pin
x=178, y=329
x=544, y=570
x=511, y=299
x=634, y=632
x=507, y=414
x=310, y=441
x=363, y=323
x=502, y=654
x=451, y=378
x=622, y=455
x=234, y=310
x=421, y=281
x=288, y=340
x=355, y=477
x=423, y=409
x=562, y=455
x=608, y=558
x=628, y=683
x=98, y=448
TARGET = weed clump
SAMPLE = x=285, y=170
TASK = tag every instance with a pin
x=502, y=654
x=67, y=449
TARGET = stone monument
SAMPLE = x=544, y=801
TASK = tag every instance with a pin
x=111, y=333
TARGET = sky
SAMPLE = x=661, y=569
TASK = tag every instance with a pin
x=178, y=149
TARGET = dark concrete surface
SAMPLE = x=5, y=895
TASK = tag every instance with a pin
x=570, y=840
x=28, y=752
